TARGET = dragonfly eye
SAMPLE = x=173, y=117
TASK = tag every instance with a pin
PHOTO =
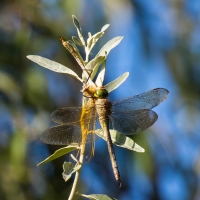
x=101, y=93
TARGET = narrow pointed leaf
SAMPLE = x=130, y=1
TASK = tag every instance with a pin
x=121, y=140
x=69, y=169
x=60, y=152
x=93, y=40
x=97, y=197
x=109, y=45
x=77, y=41
x=79, y=30
x=105, y=27
x=100, y=77
x=94, y=64
x=52, y=65
x=117, y=82
x=76, y=23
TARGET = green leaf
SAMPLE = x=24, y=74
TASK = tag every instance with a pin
x=109, y=45
x=121, y=140
x=77, y=41
x=89, y=35
x=52, y=65
x=117, y=82
x=100, y=77
x=97, y=197
x=69, y=169
x=79, y=30
x=105, y=27
x=93, y=40
x=60, y=152
x=94, y=64
x=76, y=23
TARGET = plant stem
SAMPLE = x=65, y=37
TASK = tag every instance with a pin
x=81, y=159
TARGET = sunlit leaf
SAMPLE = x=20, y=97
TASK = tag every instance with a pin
x=105, y=27
x=117, y=82
x=52, y=65
x=100, y=77
x=109, y=45
x=93, y=65
x=76, y=23
x=60, y=152
x=79, y=30
x=77, y=41
x=93, y=40
x=121, y=140
x=69, y=169
x=97, y=197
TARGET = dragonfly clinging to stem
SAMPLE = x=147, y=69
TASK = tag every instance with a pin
x=78, y=124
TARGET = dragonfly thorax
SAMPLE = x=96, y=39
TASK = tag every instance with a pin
x=101, y=92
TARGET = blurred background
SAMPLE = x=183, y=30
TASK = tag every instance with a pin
x=161, y=48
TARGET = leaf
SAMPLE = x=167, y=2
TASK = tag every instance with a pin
x=105, y=27
x=52, y=65
x=76, y=23
x=93, y=40
x=60, y=152
x=97, y=197
x=69, y=169
x=109, y=45
x=77, y=41
x=94, y=64
x=117, y=82
x=100, y=77
x=79, y=30
x=121, y=140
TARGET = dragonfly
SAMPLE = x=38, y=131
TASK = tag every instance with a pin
x=129, y=116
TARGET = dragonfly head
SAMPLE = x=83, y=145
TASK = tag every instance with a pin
x=101, y=92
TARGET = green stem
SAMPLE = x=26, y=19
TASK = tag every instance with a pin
x=81, y=159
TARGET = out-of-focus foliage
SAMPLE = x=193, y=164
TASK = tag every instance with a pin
x=160, y=49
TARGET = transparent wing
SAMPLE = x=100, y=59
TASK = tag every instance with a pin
x=66, y=115
x=62, y=135
x=66, y=135
x=132, y=122
x=146, y=100
x=69, y=115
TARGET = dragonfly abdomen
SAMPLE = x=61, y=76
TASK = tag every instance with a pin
x=103, y=107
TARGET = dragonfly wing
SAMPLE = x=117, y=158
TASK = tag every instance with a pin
x=70, y=115
x=146, y=100
x=62, y=135
x=132, y=122
x=70, y=134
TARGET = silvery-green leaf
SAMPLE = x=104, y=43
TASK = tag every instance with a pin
x=117, y=82
x=94, y=64
x=52, y=65
x=77, y=41
x=121, y=140
x=79, y=30
x=105, y=27
x=100, y=77
x=97, y=197
x=109, y=45
x=69, y=169
x=76, y=23
x=93, y=40
x=89, y=35
x=60, y=152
